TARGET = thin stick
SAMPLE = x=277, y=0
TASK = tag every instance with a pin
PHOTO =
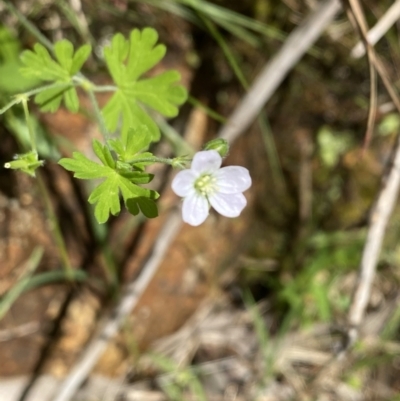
x=384, y=205
x=379, y=30
x=378, y=222
x=129, y=300
x=362, y=26
x=296, y=45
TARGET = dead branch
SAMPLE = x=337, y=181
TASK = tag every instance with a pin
x=385, y=202
x=265, y=85
x=378, y=222
x=379, y=30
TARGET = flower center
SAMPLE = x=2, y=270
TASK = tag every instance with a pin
x=205, y=185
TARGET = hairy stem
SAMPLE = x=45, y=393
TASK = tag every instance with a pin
x=171, y=162
x=9, y=105
x=29, y=124
x=19, y=98
x=97, y=113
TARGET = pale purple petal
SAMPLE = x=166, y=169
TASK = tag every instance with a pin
x=183, y=183
x=206, y=161
x=233, y=179
x=195, y=209
x=229, y=205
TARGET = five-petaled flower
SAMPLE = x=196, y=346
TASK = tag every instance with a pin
x=206, y=183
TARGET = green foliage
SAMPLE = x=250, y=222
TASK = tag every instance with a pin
x=390, y=124
x=27, y=162
x=121, y=178
x=127, y=61
x=9, y=45
x=124, y=158
x=179, y=381
x=40, y=65
x=11, y=79
x=329, y=256
x=332, y=145
x=132, y=145
x=147, y=206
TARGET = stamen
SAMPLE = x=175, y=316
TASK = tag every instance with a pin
x=205, y=185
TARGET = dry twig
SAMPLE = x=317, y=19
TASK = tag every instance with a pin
x=265, y=85
x=378, y=222
x=379, y=30
x=385, y=202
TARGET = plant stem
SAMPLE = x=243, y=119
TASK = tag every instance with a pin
x=55, y=85
x=56, y=229
x=225, y=48
x=171, y=162
x=98, y=115
x=104, y=88
x=29, y=124
x=9, y=105
x=20, y=96
x=29, y=26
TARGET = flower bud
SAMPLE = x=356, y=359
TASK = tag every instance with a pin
x=27, y=163
x=220, y=145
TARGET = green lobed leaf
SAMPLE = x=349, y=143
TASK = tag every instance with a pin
x=132, y=206
x=84, y=168
x=115, y=56
x=124, y=105
x=143, y=52
x=137, y=141
x=119, y=179
x=106, y=198
x=71, y=100
x=117, y=146
x=106, y=195
x=104, y=154
x=127, y=61
x=80, y=56
x=64, y=51
x=40, y=65
x=160, y=93
x=140, y=165
x=11, y=79
x=49, y=99
x=146, y=205
x=138, y=177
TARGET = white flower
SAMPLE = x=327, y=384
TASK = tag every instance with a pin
x=206, y=183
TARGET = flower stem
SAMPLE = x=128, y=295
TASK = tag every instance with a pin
x=55, y=85
x=29, y=124
x=172, y=162
x=9, y=105
x=25, y=95
x=97, y=113
x=104, y=88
